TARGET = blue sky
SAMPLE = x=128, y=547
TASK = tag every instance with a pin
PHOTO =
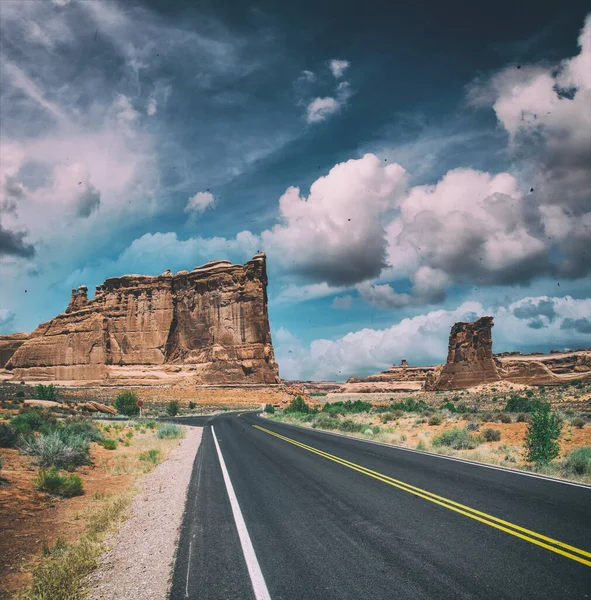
x=404, y=166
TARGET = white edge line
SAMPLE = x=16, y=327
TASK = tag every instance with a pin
x=461, y=460
x=254, y=570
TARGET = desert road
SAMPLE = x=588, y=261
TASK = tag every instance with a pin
x=286, y=513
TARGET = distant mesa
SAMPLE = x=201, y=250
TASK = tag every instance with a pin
x=210, y=325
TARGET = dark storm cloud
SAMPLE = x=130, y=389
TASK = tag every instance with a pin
x=12, y=244
x=88, y=202
x=531, y=310
x=579, y=325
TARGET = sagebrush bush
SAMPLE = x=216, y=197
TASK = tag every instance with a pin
x=126, y=403
x=326, y=423
x=578, y=423
x=522, y=418
x=53, y=482
x=350, y=426
x=81, y=427
x=51, y=449
x=504, y=418
x=491, y=435
x=472, y=427
x=435, y=420
x=449, y=406
x=32, y=419
x=578, y=462
x=7, y=436
x=170, y=430
x=459, y=439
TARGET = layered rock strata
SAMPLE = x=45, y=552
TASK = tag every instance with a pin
x=210, y=324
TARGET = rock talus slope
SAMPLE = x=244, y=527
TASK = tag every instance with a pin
x=210, y=323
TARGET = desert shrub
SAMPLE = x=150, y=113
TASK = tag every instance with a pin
x=459, y=439
x=349, y=426
x=32, y=419
x=435, y=420
x=192, y=405
x=472, y=427
x=491, y=435
x=269, y=409
x=7, y=436
x=126, y=403
x=541, y=439
x=449, y=406
x=421, y=445
x=326, y=423
x=172, y=408
x=409, y=405
x=347, y=406
x=151, y=425
x=578, y=461
x=53, y=482
x=298, y=405
x=109, y=444
x=521, y=404
x=52, y=450
x=45, y=392
x=521, y=418
x=81, y=427
x=20, y=394
x=488, y=417
x=504, y=418
x=151, y=456
x=578, y=422
x=170, y=431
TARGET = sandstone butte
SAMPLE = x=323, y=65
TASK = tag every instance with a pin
x=206, y=326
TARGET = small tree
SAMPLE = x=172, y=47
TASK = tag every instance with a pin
x=541, y=440
x=126, y=404
x=173, y=408
x=270, y=409
x=298, y=404
x=192, y=405
x=45, y=392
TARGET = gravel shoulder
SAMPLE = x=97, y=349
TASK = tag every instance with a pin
x=139, y=563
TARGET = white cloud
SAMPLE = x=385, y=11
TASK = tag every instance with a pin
x=335, y=235
x=343, y=302
x=199, y=202
x=321, y=108
x=338, y=67
x=152, y=107
x=124, y=109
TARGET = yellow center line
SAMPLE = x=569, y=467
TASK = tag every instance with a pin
x=472, y=513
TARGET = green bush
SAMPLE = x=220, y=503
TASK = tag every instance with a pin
x=460, y=439
x=521, y=404
x=342, y=408
x=522, y=418
x=7, y=436
x=435, y=420
x=52, y=482
x=172, y=409
x=192, y=405
x=269, y=409
x=151, y=425
x=126, y=403
x=45, y=392
x=80, y=427
x=491, y=435
x=409, y=405
x=504, y=418
x=578, y=462
x=578, y=422
x=109, y=444
x=170, y=431
x=472, y=427
x=541, y=439
x=298, y=405
x=326, y=423
x=151, y=456
x=33, y=419
x=448, y=406
x=52, y=449
x=349, y=426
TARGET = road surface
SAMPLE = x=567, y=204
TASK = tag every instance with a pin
x=287, y=513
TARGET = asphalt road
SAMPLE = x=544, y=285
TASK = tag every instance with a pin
x=334, y=518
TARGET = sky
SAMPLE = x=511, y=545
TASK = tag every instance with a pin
x=404, y=165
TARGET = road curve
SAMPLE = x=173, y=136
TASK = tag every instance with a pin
x=330, y=517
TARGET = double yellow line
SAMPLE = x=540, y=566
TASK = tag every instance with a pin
x=528, y=535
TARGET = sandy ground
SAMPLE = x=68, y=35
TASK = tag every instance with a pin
x=139, y=564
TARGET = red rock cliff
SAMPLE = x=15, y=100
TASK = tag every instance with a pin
x=211, y=323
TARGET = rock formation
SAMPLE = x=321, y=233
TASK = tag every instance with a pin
x=9, y=344
x=210, y=324
x=470, y=359
x=397, y=378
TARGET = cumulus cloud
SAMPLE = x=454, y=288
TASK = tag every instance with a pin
x=199, y=202
x=335, y=235
x=423, y=339
x=152, y=107
x=321, y=108
x=12, y=243
x=6, y=321
x=338, y=67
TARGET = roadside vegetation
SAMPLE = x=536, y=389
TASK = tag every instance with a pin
x=524, y=432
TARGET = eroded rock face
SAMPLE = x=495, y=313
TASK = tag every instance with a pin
x=210, y=323
x=9, y=344
x=470, y=359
